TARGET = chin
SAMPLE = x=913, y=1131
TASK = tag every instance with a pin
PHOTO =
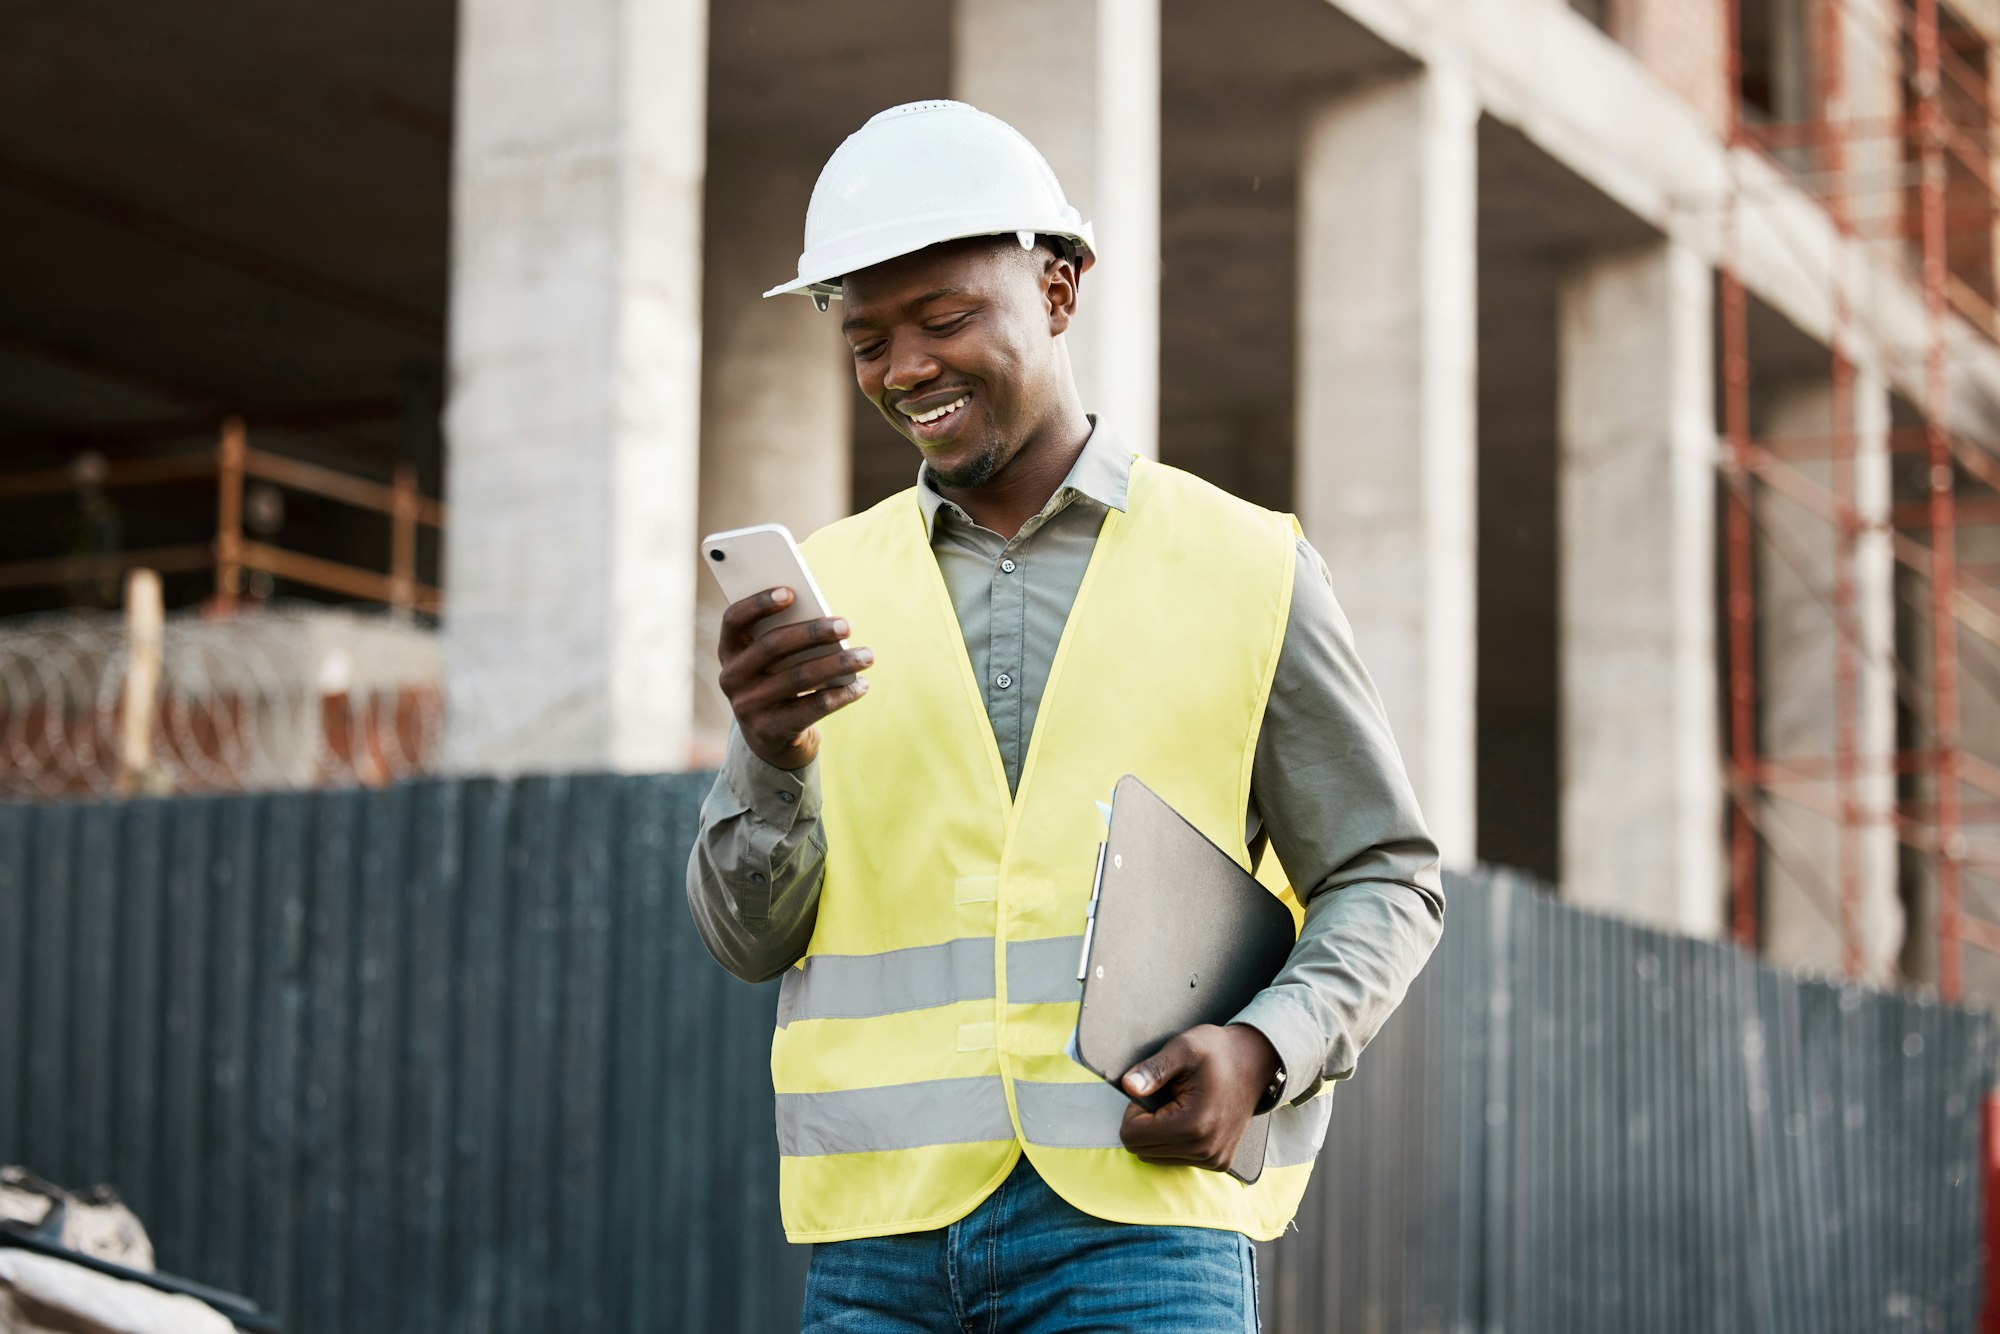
x=963, y=464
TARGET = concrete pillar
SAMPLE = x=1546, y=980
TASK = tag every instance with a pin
x=1081, y=78
x=1882, y=916
x=1802, y=869
x=776, y=383
x=1979, y=739
x=1385, y=479
x=1641, y=766
x=1683, y=46
x=1871, y=100
x=574, y=400
x=1793, y=76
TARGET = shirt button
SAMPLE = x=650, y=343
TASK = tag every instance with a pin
x=757, y=877
x=1003, y=680
x=1007, y=566
x=788, y=797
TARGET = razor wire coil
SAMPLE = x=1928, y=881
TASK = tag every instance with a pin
x=283, y=696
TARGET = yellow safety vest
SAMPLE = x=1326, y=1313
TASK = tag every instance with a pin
x=921, y=1042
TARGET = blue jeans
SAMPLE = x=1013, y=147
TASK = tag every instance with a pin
x=1026, y=1262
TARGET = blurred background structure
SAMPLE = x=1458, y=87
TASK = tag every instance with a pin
x=1635, y=364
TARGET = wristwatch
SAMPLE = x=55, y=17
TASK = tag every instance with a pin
x=1273, y=1094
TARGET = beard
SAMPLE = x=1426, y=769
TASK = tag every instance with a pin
x=976, y=471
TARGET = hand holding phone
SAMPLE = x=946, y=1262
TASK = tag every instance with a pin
x=785, y=660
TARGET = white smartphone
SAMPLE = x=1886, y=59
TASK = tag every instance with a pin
x=746, y=561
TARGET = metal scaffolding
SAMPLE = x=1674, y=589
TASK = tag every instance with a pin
x=1934, y=214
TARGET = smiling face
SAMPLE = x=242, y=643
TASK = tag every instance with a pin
x=956, y=345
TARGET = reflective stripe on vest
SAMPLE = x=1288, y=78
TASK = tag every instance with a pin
x=971, y=1111
x=921, y=1042
x=1043, y=972
x=900, y=1116
x=860, y=986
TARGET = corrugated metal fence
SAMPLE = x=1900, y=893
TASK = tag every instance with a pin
x=445, y=1056
x=1576, y=1124
x=449, y=1057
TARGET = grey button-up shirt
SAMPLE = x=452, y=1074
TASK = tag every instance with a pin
x=1327, y=786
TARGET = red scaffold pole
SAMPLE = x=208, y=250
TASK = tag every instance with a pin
x=1931, y=132
x=1735, y=313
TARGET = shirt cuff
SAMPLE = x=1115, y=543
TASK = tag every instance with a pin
x=777, y=797
x=1296, y=1038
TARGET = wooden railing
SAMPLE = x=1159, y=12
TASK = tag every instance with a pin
x=232, y=555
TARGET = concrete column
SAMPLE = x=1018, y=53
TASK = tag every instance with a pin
x=1641, y=765
x=1793, y=89
x=1979, y=739
x=1871, y=99
x=1081, y=78
x=1882, y=916
x=1803, y=850
x=1385, y=479
x=574, y=400
x=777, y=418
x=1682, y=45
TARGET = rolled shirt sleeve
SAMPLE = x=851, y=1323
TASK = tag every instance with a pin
x=1329, y=787
x=753, y=877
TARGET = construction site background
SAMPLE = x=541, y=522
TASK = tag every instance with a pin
x=1857, y=550
x=368, y=373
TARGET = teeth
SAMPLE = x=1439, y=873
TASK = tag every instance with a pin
x=944, y=411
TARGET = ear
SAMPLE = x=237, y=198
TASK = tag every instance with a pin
x=1062, y=278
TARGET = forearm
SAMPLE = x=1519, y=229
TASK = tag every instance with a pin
x=1329, y=789
x=753, y=877
x=1361, y=947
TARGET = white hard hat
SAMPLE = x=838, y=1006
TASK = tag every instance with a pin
x=922, y=173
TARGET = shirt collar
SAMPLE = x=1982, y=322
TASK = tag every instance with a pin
x=1103, y=473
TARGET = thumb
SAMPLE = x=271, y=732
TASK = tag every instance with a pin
x=1158, y=1070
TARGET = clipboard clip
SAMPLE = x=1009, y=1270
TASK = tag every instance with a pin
x=1090, y=914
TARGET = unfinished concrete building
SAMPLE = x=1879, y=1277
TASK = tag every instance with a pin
x=1632, y=362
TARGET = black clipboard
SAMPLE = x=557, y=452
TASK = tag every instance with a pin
x=1178, y=935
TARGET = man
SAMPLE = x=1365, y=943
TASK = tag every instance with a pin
x=912, y=851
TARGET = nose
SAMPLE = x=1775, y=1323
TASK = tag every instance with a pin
x=909, y=365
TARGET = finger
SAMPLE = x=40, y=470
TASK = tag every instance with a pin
x=1162, y=1138
x=1141, y=1129
x=774, y=690
x=1160, y=1069
x=739, y=616
x=805, y=637
x=1178, y=1112
x=814, y=673
x=743, y=668
x=763, y=652
x=784, y=723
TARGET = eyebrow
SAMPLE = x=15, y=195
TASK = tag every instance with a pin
x=857, y=321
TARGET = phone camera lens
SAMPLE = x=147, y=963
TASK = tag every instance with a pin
x=716, y=553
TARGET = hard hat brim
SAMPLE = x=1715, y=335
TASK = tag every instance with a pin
x=827, y=284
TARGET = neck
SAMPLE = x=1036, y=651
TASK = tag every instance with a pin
x=1023, y=485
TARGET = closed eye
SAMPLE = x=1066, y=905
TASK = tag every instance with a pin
x=947, y=325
